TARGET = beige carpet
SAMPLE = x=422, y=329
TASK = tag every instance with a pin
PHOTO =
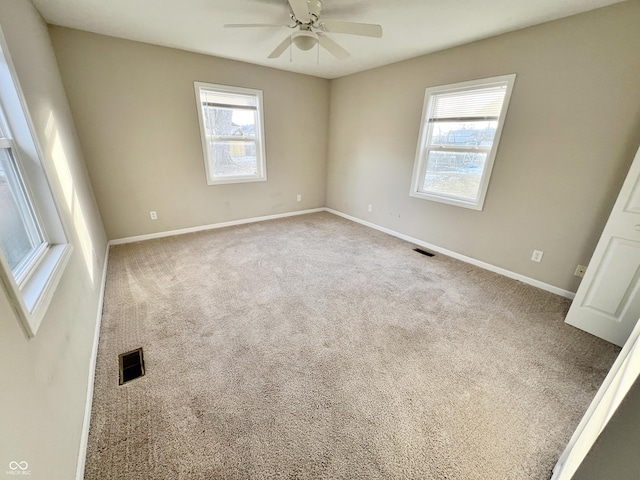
x=313, y=347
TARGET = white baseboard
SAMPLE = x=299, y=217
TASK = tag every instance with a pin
x=170, y=233
x=457, y=256
x=84, y=437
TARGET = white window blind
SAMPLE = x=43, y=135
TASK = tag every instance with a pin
x=221, y=99
x=483, y=103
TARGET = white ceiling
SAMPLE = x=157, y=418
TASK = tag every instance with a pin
x=411, y=27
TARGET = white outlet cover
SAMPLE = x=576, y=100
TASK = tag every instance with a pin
x=537, y=256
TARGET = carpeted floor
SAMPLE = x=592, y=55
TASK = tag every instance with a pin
x=313, y=347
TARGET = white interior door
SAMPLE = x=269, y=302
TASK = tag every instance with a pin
x=607, y=303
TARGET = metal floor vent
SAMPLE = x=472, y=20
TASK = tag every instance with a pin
x=424, y=252
x=131, y=365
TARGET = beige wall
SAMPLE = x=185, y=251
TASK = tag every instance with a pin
x=572, y=129
x=135, y=111
x=43, y=381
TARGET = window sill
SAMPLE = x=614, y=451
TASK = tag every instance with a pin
x=220, y=181
x=458, y=202
x=32, y=299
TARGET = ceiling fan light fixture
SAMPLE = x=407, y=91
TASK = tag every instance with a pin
x=304, y=40
x=310, y=31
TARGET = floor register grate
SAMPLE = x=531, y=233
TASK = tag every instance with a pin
x=131, y=365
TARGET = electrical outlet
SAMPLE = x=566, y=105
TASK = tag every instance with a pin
x=537, y=256
x=370, y=208
x=153, y=214
x=299, y=197
x=580, y=269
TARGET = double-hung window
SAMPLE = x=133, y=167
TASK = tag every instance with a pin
x=33, y=246
x=459, y=135
x=232, y=133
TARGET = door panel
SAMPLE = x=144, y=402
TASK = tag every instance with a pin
x=633, y=205
x=616, y=279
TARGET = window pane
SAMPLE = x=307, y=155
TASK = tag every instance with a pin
x=463, y=134
x=455, y=174
x=231, y=122
x=233, y=158
x=19, y=234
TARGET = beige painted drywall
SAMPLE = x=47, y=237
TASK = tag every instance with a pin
x=616, y=455
x=44, y=380
x=572, y=129
x=136, y=115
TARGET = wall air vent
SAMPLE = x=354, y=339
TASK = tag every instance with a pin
x=131, y=365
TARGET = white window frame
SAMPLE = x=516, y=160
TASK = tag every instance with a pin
x=31, y=291
x=420, y=164
x=261, y=160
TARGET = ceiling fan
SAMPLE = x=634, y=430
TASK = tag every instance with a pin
x=310, y=30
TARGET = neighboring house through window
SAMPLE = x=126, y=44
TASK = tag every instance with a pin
x=459, y=135
x=33, y=246
x=232, y=132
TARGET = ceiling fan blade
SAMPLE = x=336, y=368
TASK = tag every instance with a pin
x=355, y=7
x=352, y=28
x=286, y=43
x=250, y=25
x=300, y=10
x=332, y=47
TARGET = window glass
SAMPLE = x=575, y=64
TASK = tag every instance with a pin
x=20, y=235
